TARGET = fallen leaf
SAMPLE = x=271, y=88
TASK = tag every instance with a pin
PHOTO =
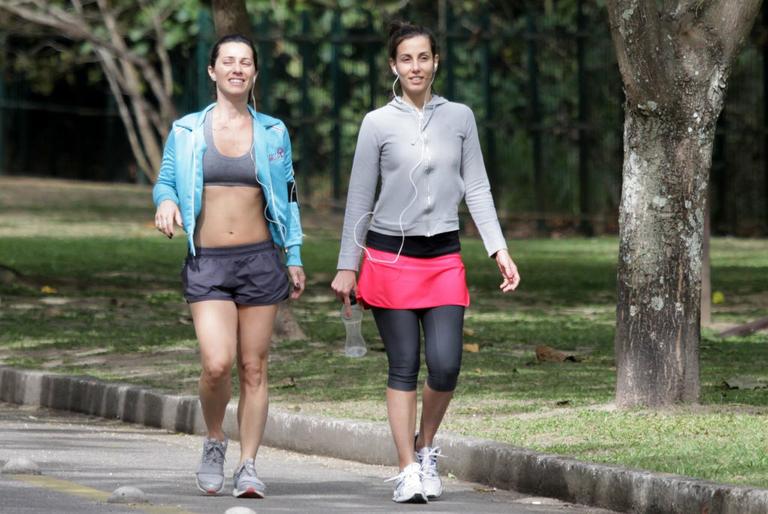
x=47, y=290
x=286, y=382
x=468, y=332
x=471, y=347
x=546, y=353
x=562, y=402
x=481, y=489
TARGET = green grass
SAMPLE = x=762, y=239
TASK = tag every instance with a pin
x=117, y=314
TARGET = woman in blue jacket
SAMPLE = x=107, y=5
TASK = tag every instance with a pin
x=227, y=179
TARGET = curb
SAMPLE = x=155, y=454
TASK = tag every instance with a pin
x=477, y=460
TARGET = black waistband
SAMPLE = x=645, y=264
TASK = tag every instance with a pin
x=416, y=246
x=209, y=251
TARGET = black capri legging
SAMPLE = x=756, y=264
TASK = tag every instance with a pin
x=443, y=340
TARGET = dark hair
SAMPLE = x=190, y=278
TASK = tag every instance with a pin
x=233, y=38
x=402, y=30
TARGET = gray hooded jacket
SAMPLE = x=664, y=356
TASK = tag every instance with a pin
x=427, y=163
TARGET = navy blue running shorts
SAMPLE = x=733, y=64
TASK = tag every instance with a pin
x=252, y=274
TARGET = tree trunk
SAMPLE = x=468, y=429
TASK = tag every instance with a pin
x=675, y=59
x=231, y=17
x=660, y=260
x=706, y=266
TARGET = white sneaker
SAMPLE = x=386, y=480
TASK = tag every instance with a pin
x=408, y=487
x=430, y=479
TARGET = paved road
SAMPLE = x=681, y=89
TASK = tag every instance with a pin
x=84, y=459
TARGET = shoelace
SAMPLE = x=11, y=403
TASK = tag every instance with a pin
x=404, y=473
x=213, y=452
x=249, y=468
x=430, y=458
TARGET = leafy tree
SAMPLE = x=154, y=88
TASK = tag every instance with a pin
x=131, y=41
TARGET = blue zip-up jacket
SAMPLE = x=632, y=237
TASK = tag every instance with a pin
x=181, y=177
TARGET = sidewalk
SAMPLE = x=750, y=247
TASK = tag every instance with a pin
x=488, y=462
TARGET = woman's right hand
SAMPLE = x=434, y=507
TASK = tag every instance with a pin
x=343, y=284
x=167, y=213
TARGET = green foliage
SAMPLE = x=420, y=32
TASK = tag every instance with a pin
x=43, y=56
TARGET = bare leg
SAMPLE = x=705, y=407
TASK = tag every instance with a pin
x=216, y=328
x=256, y=325
x=401, y=410
x=434, y=405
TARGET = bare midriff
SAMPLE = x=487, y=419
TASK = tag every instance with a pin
x=231, y=216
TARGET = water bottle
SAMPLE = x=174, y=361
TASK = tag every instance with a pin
x=355, y=344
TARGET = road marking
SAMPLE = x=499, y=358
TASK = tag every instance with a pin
x=83, y=491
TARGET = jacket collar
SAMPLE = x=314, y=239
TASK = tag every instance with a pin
x=195, y=120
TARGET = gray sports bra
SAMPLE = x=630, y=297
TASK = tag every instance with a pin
x=220, y=170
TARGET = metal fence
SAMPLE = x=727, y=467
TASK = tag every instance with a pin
x=544, y=87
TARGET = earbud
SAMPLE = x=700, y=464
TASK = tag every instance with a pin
x=434, y=68
x=394, y=70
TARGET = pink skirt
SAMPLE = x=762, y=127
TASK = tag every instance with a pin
x=411, y=282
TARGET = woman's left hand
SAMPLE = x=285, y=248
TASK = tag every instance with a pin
x=298, y=281
x=508, y=271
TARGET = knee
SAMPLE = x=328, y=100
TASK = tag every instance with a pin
x=216, y=371
x=253, y=374
x=444, y=378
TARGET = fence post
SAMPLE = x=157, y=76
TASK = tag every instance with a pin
x=336, y=108
x=535, y=114
x=489, y=133
x=370, y=54
x=585, y=192
x=718, y=204
x=204, y=39
x=307, y=136
x=3, y=106
x=765, y=111
x=450, y=82
x=265, y=64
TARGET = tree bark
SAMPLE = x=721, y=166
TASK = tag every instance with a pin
x=675, y=59
x=231, y=17
x=661, y=226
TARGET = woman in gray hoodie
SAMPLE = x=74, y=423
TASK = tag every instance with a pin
x=425, y=152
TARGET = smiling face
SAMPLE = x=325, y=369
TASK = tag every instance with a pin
x=234, y=70
x=415, y=64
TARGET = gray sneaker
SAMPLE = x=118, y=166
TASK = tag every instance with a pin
x=210, y=472
x=247, y=484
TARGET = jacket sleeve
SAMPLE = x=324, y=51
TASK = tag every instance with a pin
x=477, y=189
x=294, y=234
x=165, y=186
x=360, y=195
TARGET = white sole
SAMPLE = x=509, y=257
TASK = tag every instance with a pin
x=210, y=492
x=416, y=498
x=250, y=492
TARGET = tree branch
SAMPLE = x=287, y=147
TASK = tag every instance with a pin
x=637, y=37
x=114, y=80
x=162, y=53
x=731, y=22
